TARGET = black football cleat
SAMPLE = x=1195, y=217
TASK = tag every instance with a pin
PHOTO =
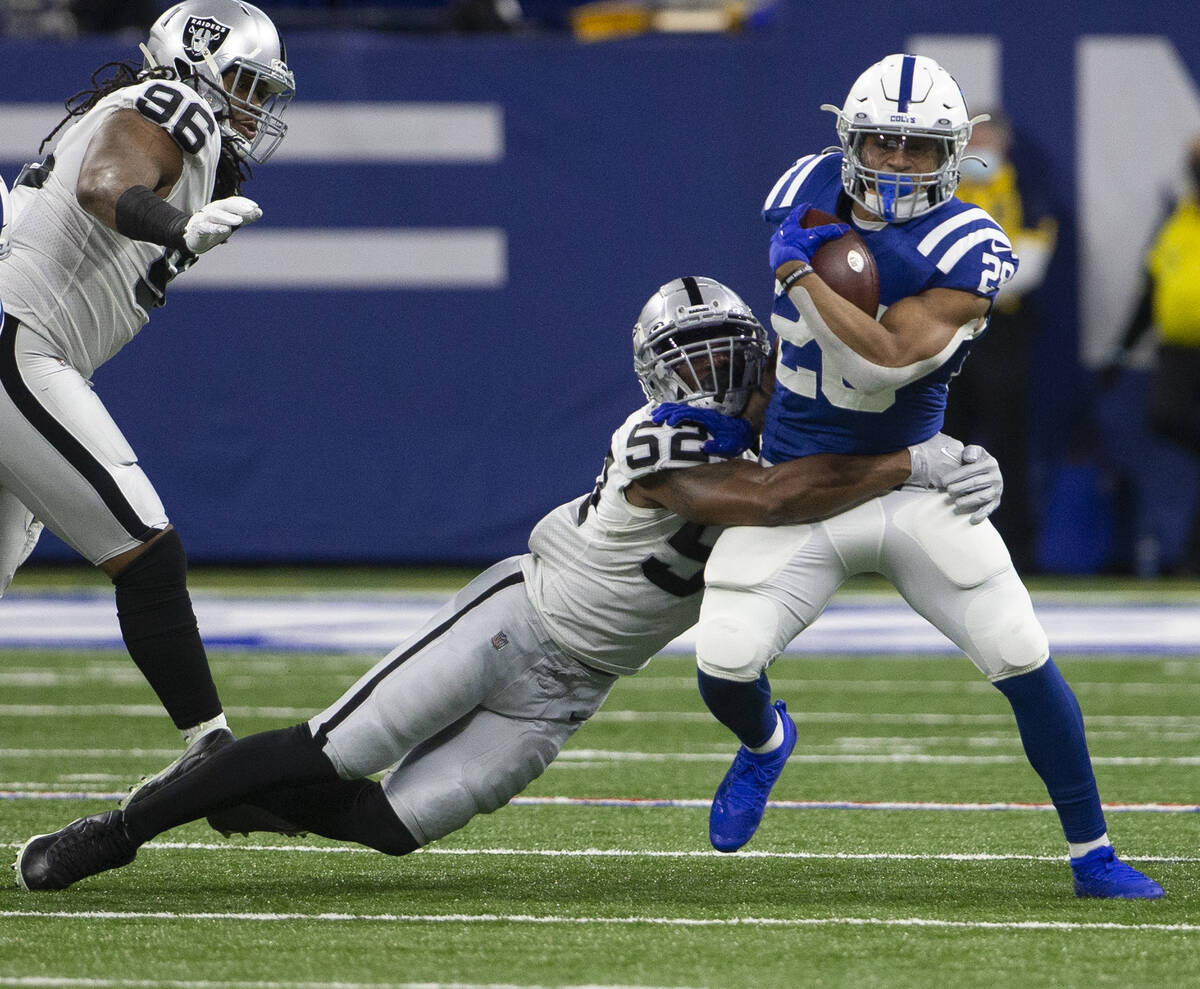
x=81, y=849
x=201, y=748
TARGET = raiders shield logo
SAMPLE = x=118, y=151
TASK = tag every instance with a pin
x=203, y=34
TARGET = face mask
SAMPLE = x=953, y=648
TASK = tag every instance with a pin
x=985, y=171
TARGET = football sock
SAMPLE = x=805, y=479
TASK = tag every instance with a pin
x=195, y=731
x=159, y=627
x=1078, y=850
x=345, y=810
x=232, y=775
x=1051, y=728
x=772, y=743
x=744, y=708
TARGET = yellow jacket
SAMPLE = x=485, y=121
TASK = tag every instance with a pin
x=1033, y=246
x=1174, y=263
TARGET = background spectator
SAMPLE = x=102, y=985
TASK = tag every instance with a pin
x=988, y=399
x=1170, y=304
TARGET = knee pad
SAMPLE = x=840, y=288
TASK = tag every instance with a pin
x=1006, y=639
x=735, y=638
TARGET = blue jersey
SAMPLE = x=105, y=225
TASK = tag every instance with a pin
x=955, y=245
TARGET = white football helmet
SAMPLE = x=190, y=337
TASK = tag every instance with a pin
x=202, y=40
x=903, y=96
x=696, y=341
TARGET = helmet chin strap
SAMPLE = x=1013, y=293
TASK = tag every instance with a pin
x=214, y=69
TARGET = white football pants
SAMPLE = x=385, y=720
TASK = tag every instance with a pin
x=765, y=586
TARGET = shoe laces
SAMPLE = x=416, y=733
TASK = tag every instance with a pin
x=92, y=846
x=751, y=772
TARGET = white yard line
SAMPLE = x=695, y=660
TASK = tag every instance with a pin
x=552, y=919
x=67, y=982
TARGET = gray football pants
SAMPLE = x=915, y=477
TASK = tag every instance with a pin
x=469, y=710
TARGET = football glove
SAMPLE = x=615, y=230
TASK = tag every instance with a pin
x=792, y=242
x=977, y=485
x=730, y=436
x=969, y=475
x=933, y=459
x=214, y=224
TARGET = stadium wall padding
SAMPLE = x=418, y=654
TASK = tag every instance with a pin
x=333, y=399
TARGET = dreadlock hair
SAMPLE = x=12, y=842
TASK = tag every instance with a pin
x=123, y=74
x=231, y=170
x=231, y=173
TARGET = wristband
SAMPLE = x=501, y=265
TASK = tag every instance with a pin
x=142, y=215
x=795, y=276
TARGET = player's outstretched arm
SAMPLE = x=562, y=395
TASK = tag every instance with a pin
x=740, y=492
x=130, y=167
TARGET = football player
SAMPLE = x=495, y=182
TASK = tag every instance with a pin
x=475, y=705
x=145, y=178
x=848, y=383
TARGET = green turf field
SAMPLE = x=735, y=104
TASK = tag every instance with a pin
x=588, y=894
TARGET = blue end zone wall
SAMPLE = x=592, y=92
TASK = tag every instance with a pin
x=413, y=425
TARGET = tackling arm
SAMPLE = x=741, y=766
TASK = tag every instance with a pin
x=740, y=492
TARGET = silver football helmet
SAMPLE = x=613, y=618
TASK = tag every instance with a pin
x=231, y=54
x=900, y=97
x=696, y=341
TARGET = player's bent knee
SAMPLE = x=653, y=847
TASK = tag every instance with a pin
x=1005, y=637
x=494, y=782
x=380, y=827
x=727, y=649
x=735, y=638
x=481, y=785
x=163, y=563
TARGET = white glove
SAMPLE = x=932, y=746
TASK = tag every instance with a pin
x=969, y=475
x=933, y=459
x=977, y=485
x=213, y=224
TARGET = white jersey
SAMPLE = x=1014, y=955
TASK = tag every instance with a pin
x=71, y=278
x=613, y=582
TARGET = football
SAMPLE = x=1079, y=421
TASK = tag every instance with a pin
x=846, y=264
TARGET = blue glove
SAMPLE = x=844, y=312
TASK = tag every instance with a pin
x=792, y=242
x=730, y=436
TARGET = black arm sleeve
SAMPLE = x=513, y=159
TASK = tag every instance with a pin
x=142, y=215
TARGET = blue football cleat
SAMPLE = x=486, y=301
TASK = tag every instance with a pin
x=1101, y=874
x=741, y=798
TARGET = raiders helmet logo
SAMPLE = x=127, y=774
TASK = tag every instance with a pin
x=203, y=34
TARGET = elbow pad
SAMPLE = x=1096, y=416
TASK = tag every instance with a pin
x=858, y=372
